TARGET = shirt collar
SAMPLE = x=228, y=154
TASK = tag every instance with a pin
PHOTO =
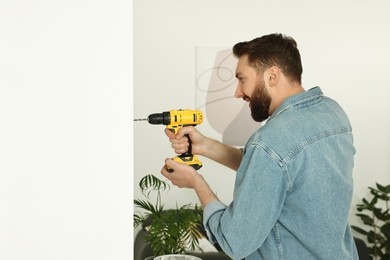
x=297, y=99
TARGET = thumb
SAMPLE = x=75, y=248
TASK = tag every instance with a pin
x=170, y=165
x=170, y=134
x=169, y=162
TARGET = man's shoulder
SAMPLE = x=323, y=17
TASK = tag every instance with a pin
x=295, y=125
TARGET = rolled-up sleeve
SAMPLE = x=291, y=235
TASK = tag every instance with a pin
x=260, y=190
x=212, y=208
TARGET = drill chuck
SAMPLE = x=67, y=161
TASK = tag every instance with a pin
x=163, y=118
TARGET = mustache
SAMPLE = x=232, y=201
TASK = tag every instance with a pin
x=246, y=98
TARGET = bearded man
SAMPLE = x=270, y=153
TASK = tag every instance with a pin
x=294, y=185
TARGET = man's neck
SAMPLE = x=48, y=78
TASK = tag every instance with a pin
x=285, y=91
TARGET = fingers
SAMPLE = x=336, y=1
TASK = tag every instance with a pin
x=179, y=174
x=180, y=145
x=170, y=134
x=166, y=170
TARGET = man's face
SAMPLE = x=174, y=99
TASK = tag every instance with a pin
x=251, y=87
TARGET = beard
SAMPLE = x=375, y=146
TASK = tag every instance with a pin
x=260, y=103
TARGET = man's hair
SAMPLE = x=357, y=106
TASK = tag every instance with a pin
x=273, y=49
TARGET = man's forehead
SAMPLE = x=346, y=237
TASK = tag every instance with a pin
x=242, y=65
x=244, y=59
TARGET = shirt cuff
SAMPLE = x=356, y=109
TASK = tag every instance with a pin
x=208, y=212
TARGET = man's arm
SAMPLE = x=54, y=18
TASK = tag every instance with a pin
x=222, y=153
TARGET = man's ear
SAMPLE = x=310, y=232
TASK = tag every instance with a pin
x=274, y=74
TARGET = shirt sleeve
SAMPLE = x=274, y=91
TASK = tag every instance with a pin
x=260, y=190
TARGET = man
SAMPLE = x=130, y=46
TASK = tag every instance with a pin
x=294, y=184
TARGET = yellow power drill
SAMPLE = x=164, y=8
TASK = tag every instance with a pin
x=174, y=120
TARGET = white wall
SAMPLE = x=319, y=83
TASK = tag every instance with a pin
x=65, y=131
x=344, y=49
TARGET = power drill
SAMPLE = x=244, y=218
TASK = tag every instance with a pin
x=174, y=120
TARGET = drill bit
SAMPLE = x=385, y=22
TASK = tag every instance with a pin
x=141, y=119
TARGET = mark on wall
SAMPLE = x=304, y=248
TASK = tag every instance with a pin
x=215, y=88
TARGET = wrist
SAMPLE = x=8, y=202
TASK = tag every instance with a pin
x=204, y=192
x=199, y=182
x=207, y=147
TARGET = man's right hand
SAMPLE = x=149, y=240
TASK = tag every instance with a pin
x=179, y=142
x=205, y=146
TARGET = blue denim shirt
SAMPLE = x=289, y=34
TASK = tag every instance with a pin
x=293, y=189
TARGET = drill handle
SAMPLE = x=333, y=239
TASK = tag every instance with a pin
x=188, y=158
x=189, y=151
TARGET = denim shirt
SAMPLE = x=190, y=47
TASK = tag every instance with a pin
x=293, y=189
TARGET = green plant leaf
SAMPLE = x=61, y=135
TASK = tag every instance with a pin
x=378, y=234
x=385, y=229
x=168, y=231
x=371, y=237
x=359, y=230
x=375, y=238
x=138, y=220
x=366, y=205
x=379, y=194
x=146, y=205
x=384, y=189
x=387, y=212
x=366, y=219
x=374, y=201
x=362, y=207
x=150, y=182
x=379, y=214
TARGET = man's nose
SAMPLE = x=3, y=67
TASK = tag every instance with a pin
x=238, y=93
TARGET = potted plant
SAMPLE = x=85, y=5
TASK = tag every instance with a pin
x=173, y=231
x=377, y=219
